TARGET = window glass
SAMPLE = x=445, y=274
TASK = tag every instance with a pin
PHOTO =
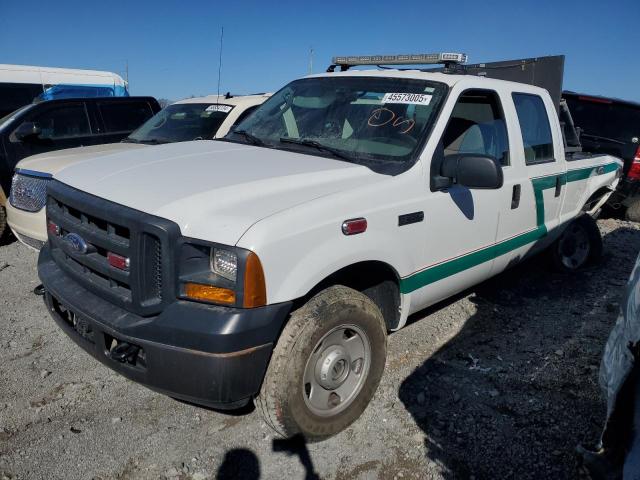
x=64, y=121
x=244, y=115
x=124, y=116
x=535, y=129
x=477, y=127
x=589, y=116
x=182, y=122
x=602, y=118
x=374, y=121
x=10, y=116
x=623, y=122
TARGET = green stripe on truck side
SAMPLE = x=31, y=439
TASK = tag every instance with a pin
x=459, y=264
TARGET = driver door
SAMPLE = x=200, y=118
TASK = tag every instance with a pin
x=461, y=223
x=59, y=126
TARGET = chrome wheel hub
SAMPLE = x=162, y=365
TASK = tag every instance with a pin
x=332, y=368
x=336, y=370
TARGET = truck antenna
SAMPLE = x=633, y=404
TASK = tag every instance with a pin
x=220, y=63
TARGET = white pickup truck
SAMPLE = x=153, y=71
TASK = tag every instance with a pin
x=271, y=265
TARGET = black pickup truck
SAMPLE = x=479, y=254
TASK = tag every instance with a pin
x=612, y=126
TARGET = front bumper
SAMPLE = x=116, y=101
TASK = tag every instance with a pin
x=28, y=227
x=209, y=355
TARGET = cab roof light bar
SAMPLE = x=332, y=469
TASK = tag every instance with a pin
x=448, y=59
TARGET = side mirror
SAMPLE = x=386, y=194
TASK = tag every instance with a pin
x=473, y=171
x=26, y=131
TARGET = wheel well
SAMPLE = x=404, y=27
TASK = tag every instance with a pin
x=593, y=199
x=377, y=280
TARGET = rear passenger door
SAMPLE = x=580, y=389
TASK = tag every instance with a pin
x=118, y=119
x=538, y=162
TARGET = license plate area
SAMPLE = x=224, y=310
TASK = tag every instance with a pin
x=75, y=321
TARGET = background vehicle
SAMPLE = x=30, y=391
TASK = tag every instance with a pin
x=195, y=118
x=59, y=124
x=272, y=264
x=22, y=84
x=612, y=126
x=619, y=448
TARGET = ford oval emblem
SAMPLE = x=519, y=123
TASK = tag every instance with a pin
x=76, y=242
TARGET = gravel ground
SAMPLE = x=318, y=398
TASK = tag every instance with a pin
x=499, y=382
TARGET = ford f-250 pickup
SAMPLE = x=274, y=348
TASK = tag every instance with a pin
x=271, y=265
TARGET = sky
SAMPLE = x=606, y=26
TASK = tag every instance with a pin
x=172, y=47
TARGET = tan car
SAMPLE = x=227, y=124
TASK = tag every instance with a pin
x=198, y=118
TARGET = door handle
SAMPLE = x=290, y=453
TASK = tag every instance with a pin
x=515, y=197
x=558, y=186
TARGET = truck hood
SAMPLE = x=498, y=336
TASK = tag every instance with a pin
x=214, y=190
x=53, y=162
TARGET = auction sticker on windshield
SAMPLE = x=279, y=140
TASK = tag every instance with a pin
x=219, y=108
x=407, y=98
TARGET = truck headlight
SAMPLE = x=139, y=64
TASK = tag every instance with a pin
x=221, y=275
x=224, y=263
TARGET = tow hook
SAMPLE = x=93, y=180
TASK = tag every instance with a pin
x=124, y=352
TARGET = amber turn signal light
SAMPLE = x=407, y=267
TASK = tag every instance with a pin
x=209, y=293
x=255, y=290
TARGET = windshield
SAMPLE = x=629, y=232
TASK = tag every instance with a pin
x=182, y=122
x=366, y=120
x=13, y=114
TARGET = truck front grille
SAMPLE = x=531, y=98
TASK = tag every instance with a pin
x=89, y=228
x=29, y=191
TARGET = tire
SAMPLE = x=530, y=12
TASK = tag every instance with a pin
x=316, y=347
x=579, y=245
x=633, y=212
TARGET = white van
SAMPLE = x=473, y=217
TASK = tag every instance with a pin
x=21, y=84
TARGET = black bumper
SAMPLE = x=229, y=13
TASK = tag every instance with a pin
x=209, y=355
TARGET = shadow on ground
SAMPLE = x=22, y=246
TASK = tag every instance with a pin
x=513, y=393
x=243, y=463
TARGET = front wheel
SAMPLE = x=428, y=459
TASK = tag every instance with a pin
x=326, y=366
x=579, y=245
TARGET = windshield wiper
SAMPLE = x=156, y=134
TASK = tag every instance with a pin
x=150, y=141
x=318, y=146
x=253, y=140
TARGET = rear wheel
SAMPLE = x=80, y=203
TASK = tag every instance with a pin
x=579, y=244
x=326, y=366
x=633, y=212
